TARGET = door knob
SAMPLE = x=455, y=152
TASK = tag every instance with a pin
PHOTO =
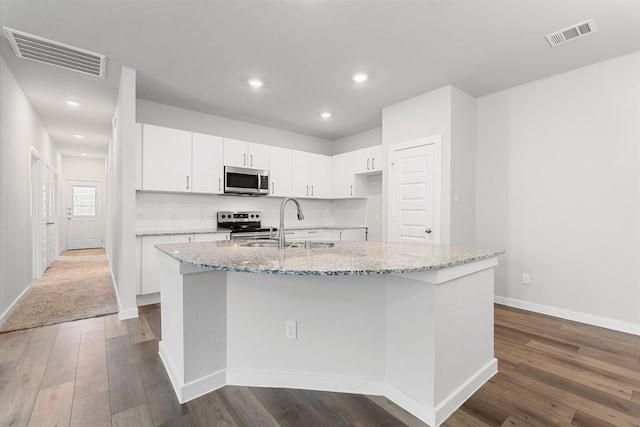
x=428, y=231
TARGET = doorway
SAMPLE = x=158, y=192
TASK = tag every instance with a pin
x=414, y=189
x=84, y=214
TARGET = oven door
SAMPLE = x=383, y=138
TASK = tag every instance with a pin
x=245, y=181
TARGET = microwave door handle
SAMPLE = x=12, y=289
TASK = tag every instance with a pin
x=259, y=183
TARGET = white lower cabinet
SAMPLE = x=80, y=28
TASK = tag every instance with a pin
x=150, y=264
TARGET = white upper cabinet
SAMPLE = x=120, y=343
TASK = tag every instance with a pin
x=246, y=154
x=368, y=160
x=310, y=175
x=207, y=169
x=343, y=177
x=320, y=176
x=166, y=159
x=280, y=172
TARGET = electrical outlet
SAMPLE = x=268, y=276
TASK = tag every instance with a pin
x=291, y=330
x=526, y=279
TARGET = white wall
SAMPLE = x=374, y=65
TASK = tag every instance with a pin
x=463, y=168
x=121, y=196
x=179, y=118
x=420, y=117
x=360, y=140
x=20, y=129
x=450, y=113
x=558, y=188
x=83, y=168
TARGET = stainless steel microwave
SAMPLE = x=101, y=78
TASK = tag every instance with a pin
x=245, y=181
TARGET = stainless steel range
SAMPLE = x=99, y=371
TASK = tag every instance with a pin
x=246, y=225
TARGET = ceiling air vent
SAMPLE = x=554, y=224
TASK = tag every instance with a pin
x=39, y=49
x=574, y=32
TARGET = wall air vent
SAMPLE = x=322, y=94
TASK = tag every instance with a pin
x=572, y=33
x=39, y=49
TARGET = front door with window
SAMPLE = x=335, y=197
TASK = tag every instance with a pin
x=84, y=214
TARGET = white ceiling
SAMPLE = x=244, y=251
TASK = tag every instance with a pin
x=199, y=54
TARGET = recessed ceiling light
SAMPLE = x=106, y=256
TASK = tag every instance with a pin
x=78, y=135
x=325, y=115
x=255, y=83
x=83, y=154
x=360, y=77
x=73, y=103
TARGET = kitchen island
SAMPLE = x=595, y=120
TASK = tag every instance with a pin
x=411, y=322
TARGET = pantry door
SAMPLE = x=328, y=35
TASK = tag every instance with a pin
x=84, y=214
x=414, y=191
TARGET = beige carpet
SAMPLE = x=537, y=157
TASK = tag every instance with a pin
x=78, y=285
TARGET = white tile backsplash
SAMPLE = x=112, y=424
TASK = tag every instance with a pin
x=172, y=211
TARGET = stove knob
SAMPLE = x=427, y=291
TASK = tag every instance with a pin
x=257, y=216
x=251, y=215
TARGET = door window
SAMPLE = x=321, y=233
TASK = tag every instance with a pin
x=84, y=201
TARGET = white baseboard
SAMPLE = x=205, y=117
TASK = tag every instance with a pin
x=434, y=416
x=340, y=384
x=13, y=306
x=589, y=319
x=192, y=389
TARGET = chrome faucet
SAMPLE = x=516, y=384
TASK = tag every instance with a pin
x=281, y=242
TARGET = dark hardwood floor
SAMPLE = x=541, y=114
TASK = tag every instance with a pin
x=106, y=372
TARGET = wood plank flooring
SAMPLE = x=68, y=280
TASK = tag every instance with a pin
x=106, y=372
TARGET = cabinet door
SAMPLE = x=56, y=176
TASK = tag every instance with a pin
x=150, y=278
x=235, y=153
x=353, y=235
x=207, y=169
x=376, y=158
x=257, y=156
x=361, y=161
x=320, y=181
x=299, y=173
x=210, y=237
x=342, y=186
x=166, y=159
x=280, y=171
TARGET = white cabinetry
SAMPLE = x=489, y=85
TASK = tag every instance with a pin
x=245, y=154
x=149, y=263
x=180, y=161
x=280, y=171
x=310, y=175
x=207, y=169
x=343, y=176
x=150, y=277
x=368, y=160
x=166, y=159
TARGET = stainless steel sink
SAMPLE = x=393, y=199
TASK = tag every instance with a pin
x=274, y=244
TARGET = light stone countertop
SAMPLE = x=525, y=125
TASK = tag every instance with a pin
x=345, y=258
x=174, y=232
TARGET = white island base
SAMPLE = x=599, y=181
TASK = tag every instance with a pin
x=423, y=340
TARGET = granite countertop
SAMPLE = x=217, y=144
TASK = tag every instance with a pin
x=174, y=232
x=345, y=258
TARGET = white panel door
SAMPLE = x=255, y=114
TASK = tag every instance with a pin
x=413, y=193
x=44, y=231
x=84, y=214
